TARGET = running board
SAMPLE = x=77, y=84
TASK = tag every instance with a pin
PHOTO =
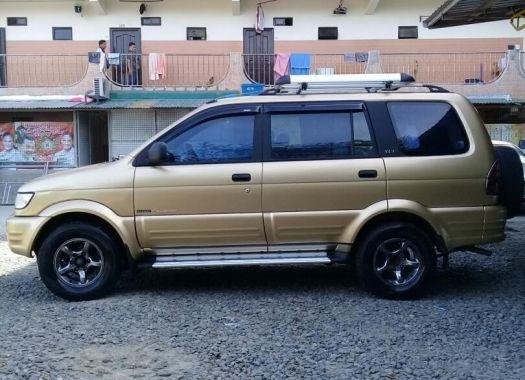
x=207, y=260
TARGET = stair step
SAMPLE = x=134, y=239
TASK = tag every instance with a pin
x=210, y=260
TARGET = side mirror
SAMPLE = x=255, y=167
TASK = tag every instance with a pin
x=158, y=153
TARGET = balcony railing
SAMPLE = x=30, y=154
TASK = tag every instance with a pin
x=170, y=71
x=42, y=70
x=447, y=68
x=436, y=68
x=207, y=71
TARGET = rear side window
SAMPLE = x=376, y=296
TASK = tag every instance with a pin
x=310, y=136
x=428, y=128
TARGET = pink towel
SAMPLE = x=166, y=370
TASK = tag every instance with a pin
x=157, y=66
x=282, y=65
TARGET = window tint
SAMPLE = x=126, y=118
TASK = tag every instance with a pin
x=226, y=139
x=428, y=128
x=320, y=136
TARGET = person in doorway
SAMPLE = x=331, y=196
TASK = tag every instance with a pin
x=104, y=64
x=132, y=65
x=10, y=153
x=66, y=157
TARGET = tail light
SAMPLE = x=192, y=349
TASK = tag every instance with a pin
x=493, y=183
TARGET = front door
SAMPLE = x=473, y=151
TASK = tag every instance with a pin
x=321, y=169
x=3, y=60
x=208, y=193
x=120, y=39
x=259, y=55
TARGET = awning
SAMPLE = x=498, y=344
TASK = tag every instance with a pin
x=118, y=100
x=464, y=12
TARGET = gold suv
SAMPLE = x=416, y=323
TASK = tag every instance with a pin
x=382, y=180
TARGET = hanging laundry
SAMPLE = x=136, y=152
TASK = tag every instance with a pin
x=300, y=63
x=157, y=66
x=361, y=57
x=350, y=57
x=259, y=19
x=114, y=58
x=281, y=66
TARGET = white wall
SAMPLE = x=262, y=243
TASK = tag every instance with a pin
x=221, y=25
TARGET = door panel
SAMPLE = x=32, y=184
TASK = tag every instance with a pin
x=314, y=201
x=259, y=55
x=3, y=60
x=120, y=39
x=198, y=205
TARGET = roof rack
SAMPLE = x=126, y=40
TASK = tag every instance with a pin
x=344, y=83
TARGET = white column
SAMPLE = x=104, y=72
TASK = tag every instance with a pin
x=236, y=7
x=99, y=6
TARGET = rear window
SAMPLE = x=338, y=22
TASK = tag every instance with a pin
x=428, y=128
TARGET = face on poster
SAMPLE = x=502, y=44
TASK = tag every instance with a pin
x=38, y=142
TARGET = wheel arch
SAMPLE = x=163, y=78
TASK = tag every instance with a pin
x=120, y=228
x=401, y=217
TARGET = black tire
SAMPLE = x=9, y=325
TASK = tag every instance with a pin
x=511, y=193
x=101, y=245
x=369, y=257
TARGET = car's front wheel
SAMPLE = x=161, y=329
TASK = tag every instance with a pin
x=78, y=261
x=395, y=260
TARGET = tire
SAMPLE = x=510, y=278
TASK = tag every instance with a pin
x=511, y=193
x=377, y=262
x=64, y=250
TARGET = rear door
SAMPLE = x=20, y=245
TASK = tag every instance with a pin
x=321, y=169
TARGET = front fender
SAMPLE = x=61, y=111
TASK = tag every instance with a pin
x=124, y=226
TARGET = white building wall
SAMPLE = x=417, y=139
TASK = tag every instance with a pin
x=222, y=25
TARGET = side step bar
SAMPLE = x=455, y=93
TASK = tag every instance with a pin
x=207, y=260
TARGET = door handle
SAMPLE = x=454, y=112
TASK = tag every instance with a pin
x=367, y=173
x=241, y=177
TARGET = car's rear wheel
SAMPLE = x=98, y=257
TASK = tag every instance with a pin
x=78, y=261
x=395, y=260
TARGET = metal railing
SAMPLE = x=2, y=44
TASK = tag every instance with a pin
x=169, y=70
x=259, y=68
x=438, y=68
x=446, y=68
x=41, y=70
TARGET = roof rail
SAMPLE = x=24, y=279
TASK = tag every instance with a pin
x=343, y=83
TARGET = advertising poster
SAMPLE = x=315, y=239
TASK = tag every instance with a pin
x=38, y=142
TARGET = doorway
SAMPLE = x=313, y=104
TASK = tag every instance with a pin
x=3, y=59
x=258, y=51
x=92, y=137
x=119, y=43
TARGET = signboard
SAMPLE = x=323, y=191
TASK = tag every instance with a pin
x=38, y=142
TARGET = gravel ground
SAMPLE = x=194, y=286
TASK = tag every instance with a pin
x=269, y=322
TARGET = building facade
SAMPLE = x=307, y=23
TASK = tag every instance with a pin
x=209, y=48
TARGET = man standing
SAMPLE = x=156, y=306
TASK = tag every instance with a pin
x=10, y=153
x=104, y=64
x=66, y=157
x=132, y=66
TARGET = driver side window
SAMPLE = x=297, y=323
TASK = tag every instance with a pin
x=221, y=140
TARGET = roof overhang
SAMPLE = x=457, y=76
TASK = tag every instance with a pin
x=464, y=12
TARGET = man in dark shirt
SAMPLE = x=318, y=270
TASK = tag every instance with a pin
x=132, y=66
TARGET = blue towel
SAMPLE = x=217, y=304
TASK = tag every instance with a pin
x=300, y=64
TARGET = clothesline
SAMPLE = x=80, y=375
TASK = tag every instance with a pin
x=300, y=63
